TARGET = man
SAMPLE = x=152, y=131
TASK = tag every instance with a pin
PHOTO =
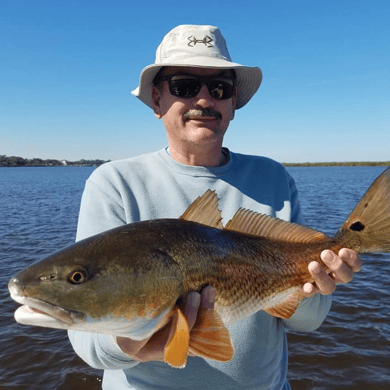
x=195, y=89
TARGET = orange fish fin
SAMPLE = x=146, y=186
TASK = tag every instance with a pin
x=288, y=307
x=250, y=222
x=205, y=210
x=176, y=348
x=210, y=338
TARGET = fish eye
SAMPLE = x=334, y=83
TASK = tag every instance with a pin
x=78, y=276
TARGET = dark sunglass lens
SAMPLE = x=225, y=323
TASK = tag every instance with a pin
x=184, y=88
x=221, y=90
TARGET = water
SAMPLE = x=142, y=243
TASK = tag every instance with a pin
x=351, y=348
x=38, y=215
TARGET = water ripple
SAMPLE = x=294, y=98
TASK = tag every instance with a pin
x=38, y=211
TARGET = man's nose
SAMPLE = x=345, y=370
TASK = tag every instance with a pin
x=203, y=98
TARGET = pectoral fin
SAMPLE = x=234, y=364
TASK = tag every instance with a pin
x=210, y=338
x=176, y=348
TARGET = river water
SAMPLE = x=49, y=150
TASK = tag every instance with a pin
x=38, y=215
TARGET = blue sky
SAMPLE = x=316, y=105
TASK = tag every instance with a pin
x=67, y=69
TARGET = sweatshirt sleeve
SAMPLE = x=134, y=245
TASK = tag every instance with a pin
x=100, y=210
x=311, y=312
x=100, y=351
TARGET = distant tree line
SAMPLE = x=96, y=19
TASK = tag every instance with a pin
x=14, y=161
x=341, y=164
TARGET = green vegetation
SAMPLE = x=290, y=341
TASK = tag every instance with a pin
x=13, y=161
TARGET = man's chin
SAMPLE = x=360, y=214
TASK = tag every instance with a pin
x=202, y=134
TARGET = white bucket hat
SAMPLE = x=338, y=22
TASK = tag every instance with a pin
x=198, y=46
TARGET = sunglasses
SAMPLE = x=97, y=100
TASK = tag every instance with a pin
x=188, y=86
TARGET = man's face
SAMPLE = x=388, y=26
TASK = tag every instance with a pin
x=181, y=116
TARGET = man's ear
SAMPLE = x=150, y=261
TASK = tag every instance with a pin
x=156, y=99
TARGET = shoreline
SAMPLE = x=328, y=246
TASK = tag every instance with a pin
x=13, y=161
x=341, y=164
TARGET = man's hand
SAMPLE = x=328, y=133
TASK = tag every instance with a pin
x=152, y=349
x=342, y=268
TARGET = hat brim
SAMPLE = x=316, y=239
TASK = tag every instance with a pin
x=248, y=79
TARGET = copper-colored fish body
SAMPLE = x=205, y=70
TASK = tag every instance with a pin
x=130, y=280
x=247, y=271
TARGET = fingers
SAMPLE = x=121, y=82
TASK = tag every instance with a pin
x=153, y=347
x=342, y=268
x=191, y=308
x=351, y=258
x=195, y=300
x=309, y=289
x=208, y=297
x=323, y=283
x=340, y=272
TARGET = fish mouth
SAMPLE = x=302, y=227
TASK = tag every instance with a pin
x=36, y=312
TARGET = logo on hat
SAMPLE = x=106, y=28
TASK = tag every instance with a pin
x=206, y=41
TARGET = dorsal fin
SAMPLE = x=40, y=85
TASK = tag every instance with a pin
x=250, y=222
x=204, y=210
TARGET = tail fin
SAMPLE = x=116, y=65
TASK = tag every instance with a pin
x=367, y=229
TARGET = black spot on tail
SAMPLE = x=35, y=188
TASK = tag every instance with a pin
x=357, y=226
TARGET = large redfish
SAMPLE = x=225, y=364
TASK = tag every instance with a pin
x=128, y=281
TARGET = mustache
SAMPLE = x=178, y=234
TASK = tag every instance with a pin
x=208, y=112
